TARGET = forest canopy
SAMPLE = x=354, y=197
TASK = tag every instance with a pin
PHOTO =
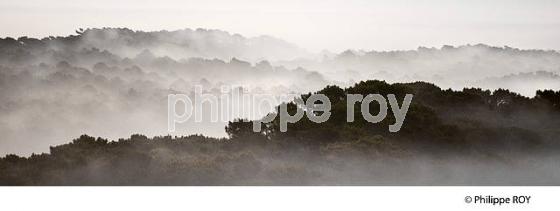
x=444, y=129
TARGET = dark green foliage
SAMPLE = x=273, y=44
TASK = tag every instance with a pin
x=550, y=97
x=471, y=123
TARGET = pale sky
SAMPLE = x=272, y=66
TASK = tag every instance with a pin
x=311, y=24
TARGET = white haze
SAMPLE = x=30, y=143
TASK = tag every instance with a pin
x=114, y=82
x=335, y=25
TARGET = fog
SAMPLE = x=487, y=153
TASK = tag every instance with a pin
x=336, y=25
x=113, y=82
x=455, y=67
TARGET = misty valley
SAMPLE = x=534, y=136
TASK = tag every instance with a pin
x=92, y=109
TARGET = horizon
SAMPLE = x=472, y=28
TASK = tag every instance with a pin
x=312, y=25
x=288, y=42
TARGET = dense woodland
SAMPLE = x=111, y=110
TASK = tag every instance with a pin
x=468, y=137
x=114, y=82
